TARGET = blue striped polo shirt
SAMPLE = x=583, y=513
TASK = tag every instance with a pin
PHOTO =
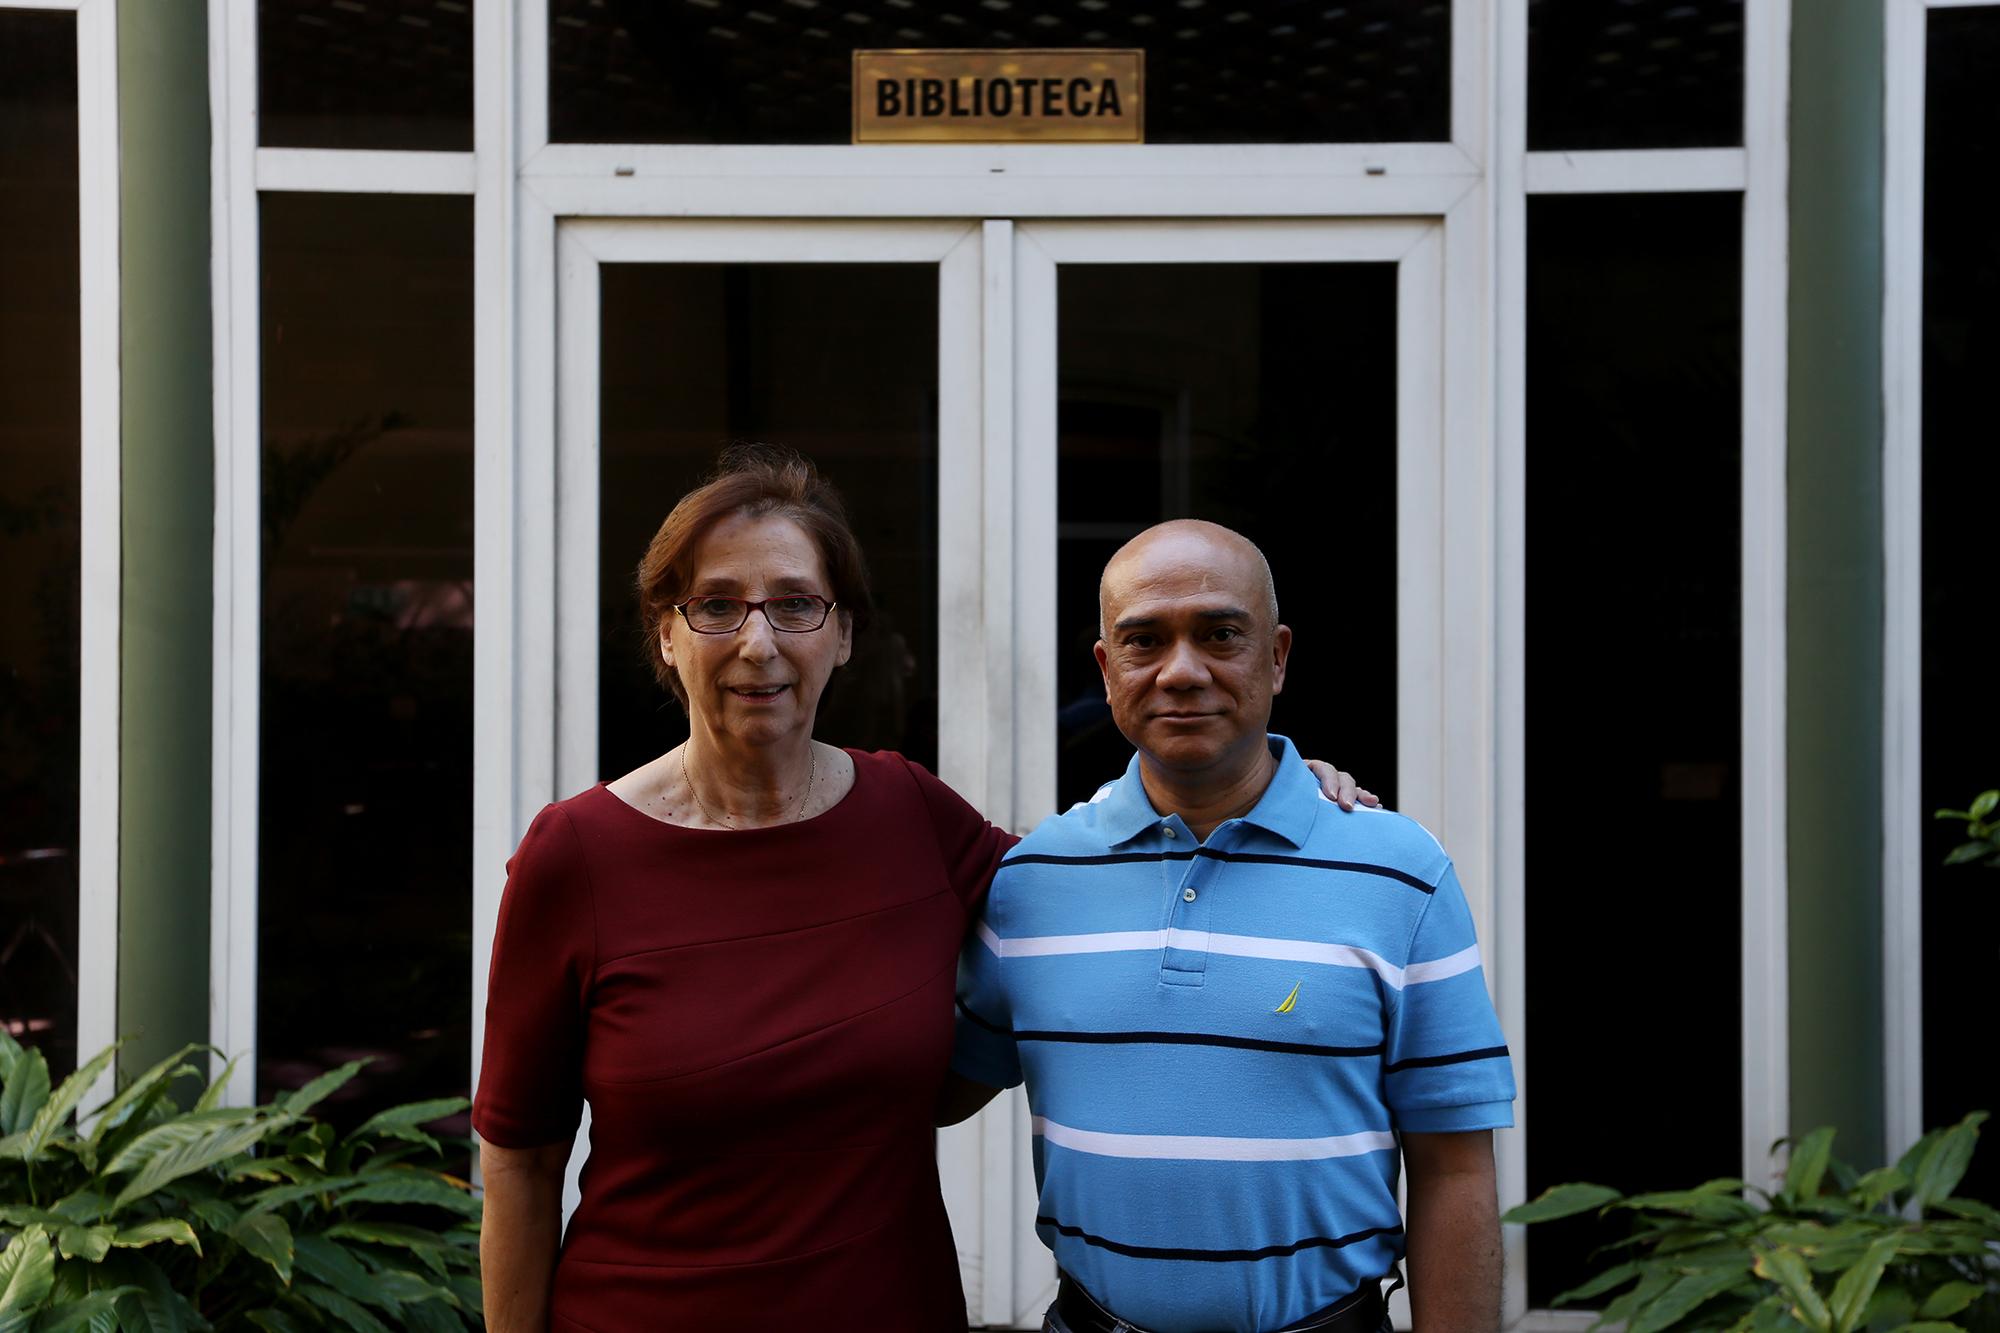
x=1222, y=1039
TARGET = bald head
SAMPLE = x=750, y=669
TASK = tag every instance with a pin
x=1189, y=543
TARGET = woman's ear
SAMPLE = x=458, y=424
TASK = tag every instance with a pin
x=666, y=641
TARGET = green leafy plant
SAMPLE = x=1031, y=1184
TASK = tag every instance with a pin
x=1982, y=831
x=1891, y=1251
x=144, y=1217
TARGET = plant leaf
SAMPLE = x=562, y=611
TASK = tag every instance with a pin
x=1694, y=1289
x=1983, y=804
x=27, y=1088
x=10, y=1051
x=408, y=1186
x=426, y=1245
x=1808, y=1165
x=1930, y=1326
x=304, y=1099
x=347, y=1311
x=91, y=1243
x=1938, y=1174
x=94, y=1311
x=48, y=1119
x=279, y=1196
x=153, y=1232
x=277, y=1320
x=411, y=1115
x=267, y=1237
x=211, y=1096
x=1561, y=1201
x=1857, y=1285
x=179, y=1148
x=1949, y=1299
x=152, y=1305
x=1788, y=1270
x=327, y=1262
x=27, y=1272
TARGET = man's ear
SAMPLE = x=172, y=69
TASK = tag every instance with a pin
x=1103, y=657
x=1281, y=648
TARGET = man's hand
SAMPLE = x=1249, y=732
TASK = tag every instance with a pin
x=1453, y=1230
x=1339, y=787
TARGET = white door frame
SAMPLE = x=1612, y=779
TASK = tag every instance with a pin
x=99, y=537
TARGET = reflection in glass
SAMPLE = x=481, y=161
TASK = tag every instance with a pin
x=365, y=74
x=838, y=361
x=1961, y=744
x=40, y=494
x=364, y=874
x=1635, y=74
x=737, y=71
x=1261, y=397
x=1633, y=734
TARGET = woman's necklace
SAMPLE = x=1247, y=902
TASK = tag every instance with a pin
x=812, y=769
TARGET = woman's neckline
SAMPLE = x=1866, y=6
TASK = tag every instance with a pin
x=846, y=796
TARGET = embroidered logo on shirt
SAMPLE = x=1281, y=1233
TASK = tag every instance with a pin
x=1291, y=1001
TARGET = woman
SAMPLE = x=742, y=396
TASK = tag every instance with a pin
x=743, y=954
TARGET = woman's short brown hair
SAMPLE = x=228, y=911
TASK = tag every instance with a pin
x=757, y=480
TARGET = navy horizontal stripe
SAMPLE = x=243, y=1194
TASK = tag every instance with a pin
x=1213, y=854
x=1193, y=1039
x=1217, y=1256
x=1456, y=1058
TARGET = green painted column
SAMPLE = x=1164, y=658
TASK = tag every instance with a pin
x=167, y=484
x=1835, y=581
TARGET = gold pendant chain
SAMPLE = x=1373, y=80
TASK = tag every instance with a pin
x=812, y=771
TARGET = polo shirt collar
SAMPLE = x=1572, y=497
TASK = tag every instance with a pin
x=1286, y=808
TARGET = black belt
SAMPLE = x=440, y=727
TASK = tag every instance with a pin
x=1360, y=1311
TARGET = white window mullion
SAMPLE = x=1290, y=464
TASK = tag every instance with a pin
x=99, y=533
x=232, y=959
x=1905, y=44
x=1765, y=267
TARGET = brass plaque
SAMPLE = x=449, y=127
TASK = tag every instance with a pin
x=963, y=96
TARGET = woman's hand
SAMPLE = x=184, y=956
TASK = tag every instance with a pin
x=1339, y=787
x=519, y=1234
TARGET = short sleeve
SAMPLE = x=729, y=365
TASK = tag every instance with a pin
x=1446, y=1066
x=984, y=1049
x=970, y=846
x=544, y=952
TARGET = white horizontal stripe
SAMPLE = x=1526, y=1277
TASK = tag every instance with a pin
x=1293, y=951
x=1236, y=946
x=1110, y=941
x=1439, y=968
x=1210, y=1148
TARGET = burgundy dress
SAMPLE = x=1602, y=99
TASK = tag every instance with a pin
x=761, y=1022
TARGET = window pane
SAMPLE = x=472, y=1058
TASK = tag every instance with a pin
x=1225, y=392
x=1635, y=74
x=1961, y=735
x=747, y=71
x=365, y=74
x=838, y=361
x=364, y=872
x=1633, y=648
x=40, y=491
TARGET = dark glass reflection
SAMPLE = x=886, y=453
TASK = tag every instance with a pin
x=364, y=869
x=365, y=74
x=1961, y=734
x=838, y=361
x=1635, y=74
x=1261, y=397
x=746, y=71
x=40, y=492
x=1633, y=720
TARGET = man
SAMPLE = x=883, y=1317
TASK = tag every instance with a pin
x=1232, y=1002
